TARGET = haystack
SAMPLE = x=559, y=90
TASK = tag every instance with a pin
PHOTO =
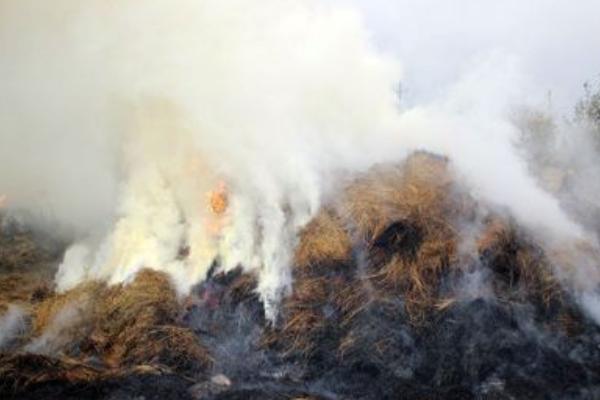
x=381, y=305
x=387, y=254
x=137, y=324
x=95, y=331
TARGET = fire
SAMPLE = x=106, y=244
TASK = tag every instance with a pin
x=219, y=199
x=3, y=200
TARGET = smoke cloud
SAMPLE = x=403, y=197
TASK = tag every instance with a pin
x=438, y=40
x=170, y=134
x=13, y=325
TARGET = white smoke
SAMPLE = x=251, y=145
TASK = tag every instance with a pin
x=122, y=117
x=61, y=331
x=470, y=123
x=554, y=40
x=268, y=96
x=13, y=324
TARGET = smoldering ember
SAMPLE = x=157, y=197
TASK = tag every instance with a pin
x=299, y=199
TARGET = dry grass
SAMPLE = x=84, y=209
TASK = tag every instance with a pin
x=137, y=324
x=406, y=222
x=310, y=314
x=521, y=267
x=25, y=269
x=62, y=322
x=406, y=215
x=82, y=296
x=324, y=241
x=242, y=288
x=417, y=190
x=149, y=300
x=304, y=319
x=322, y=261
x=25, y=289
x=402, y=217
x=170, y=345
x=121, y=327
x=18, y=252
x=19, y=372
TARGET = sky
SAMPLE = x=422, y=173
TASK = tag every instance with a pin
x=556, y=43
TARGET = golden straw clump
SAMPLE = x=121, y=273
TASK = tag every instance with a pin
x=83, y=296
x=323, y=241
x=407, y=216
x=137, y=324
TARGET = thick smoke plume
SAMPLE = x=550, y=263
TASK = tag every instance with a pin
x=178, y=135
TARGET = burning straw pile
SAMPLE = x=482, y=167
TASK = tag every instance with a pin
x=394, y=243
x=95, y=333
x=384, y=292
x=393, y=297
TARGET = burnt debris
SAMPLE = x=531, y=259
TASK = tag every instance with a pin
x=386, y=304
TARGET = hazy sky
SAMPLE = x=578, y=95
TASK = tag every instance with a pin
x=556, y=42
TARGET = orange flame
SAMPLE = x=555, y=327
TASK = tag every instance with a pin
x=3, y=200
x=218, y=204
x=219, y=199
